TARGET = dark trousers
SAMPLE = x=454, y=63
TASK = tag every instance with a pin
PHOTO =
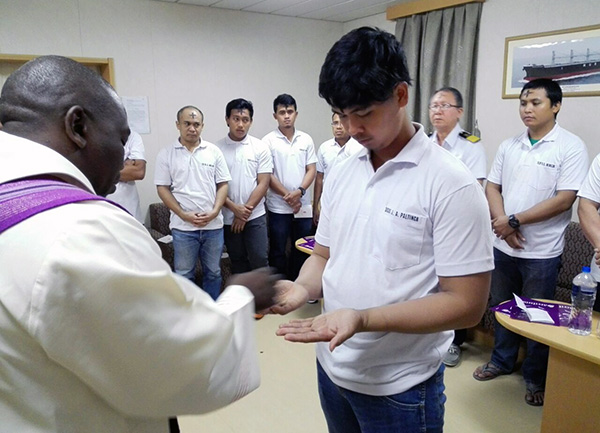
x=283, y=230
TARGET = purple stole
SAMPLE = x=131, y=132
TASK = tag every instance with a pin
x=22, y=199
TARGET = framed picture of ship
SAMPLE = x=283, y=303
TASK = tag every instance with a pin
x=571, y=57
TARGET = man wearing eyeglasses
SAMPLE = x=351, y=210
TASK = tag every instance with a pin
x=334, y=150
x=445, y=111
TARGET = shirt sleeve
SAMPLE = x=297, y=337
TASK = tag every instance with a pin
x=495, y=175
x=148, y=341
x=591, y=185
x=461, y=250
x=475, y=160
x=137, y=150
x=320, y=165
x=574, y=167
x=221, y=170
x=311, y=157
x=162, y=174
x=265, y=159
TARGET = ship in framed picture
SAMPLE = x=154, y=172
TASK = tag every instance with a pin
x=571, y=57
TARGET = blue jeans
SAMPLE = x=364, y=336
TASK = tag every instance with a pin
x=532, y=278
x=284, y=228
x=249, y=249
x=417, y=410
x=206, y=244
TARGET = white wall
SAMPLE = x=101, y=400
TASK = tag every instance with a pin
x=183, y=54
x=499, y=118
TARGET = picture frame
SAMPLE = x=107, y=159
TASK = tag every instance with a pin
x=570, y=56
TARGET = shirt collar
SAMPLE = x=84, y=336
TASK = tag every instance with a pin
x=549, y=137
x=283, y=137
x=246, y=140
x=411, y=153
x=451, y=139
x=21, y=158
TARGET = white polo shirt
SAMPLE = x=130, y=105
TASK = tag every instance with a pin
x=245, y=159
x=289, y=166
x=193, y=178
x=531, y=174
x=331, y=152
x=126, y=193
x=391, y=233
x=472, y=154
x=590, y=189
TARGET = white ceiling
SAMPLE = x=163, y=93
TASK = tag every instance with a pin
x=328, y=10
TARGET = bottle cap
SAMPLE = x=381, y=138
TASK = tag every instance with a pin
x=586, y=269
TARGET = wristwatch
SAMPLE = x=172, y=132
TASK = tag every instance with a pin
x=302, y=191
x=513, y=222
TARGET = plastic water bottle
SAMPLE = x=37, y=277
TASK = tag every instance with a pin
x=583, y=296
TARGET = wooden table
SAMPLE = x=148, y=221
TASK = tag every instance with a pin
x=572, y=398
x=305, y=244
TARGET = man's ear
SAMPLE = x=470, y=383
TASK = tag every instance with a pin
x=401, y=94
x=76, y=126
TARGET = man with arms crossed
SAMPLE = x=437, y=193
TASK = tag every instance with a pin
x=289, y=198
x=191, y=179
x=336, y=149
x=249, y=162
x=134, y=168
x=96, y=333
x=530, y=189
x=445, y=111
x=398, y=261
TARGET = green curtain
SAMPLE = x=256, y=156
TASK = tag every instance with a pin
x=441, y=50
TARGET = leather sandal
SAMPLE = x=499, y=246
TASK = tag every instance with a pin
x=488, y=371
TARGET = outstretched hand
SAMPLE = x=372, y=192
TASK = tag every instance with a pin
x=261, y=283
x=335, y=327
x=290, y=296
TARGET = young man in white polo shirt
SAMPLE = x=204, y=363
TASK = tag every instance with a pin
x=397, y=260
x=336, y=149
x=587, y=211
x=250, y=164
x=445, y=111
x=289, y=198
x=531, y=189
x=191, y=179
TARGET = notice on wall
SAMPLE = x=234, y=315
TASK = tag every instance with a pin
x=137, y=113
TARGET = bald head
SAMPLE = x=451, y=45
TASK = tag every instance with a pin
x=66, y=106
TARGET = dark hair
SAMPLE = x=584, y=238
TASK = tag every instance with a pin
x=239, y=104
x=285, y=100
x=193, y=108
x=553, y=90
x=363, y=67
x=457, y=96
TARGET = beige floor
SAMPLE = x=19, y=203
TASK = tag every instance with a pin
x=287, y=400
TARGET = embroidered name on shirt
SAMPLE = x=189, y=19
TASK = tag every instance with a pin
x=206, y=164
x=403, y=215
x=546, y=164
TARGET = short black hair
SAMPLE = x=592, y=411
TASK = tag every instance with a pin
x=193, y=108
x=239, y=104
x=457, y=95
x=44, y=88
x=552, y=88
x=285, y=100
x=362, y=68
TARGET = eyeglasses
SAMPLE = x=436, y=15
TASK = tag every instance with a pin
x=443, y=107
